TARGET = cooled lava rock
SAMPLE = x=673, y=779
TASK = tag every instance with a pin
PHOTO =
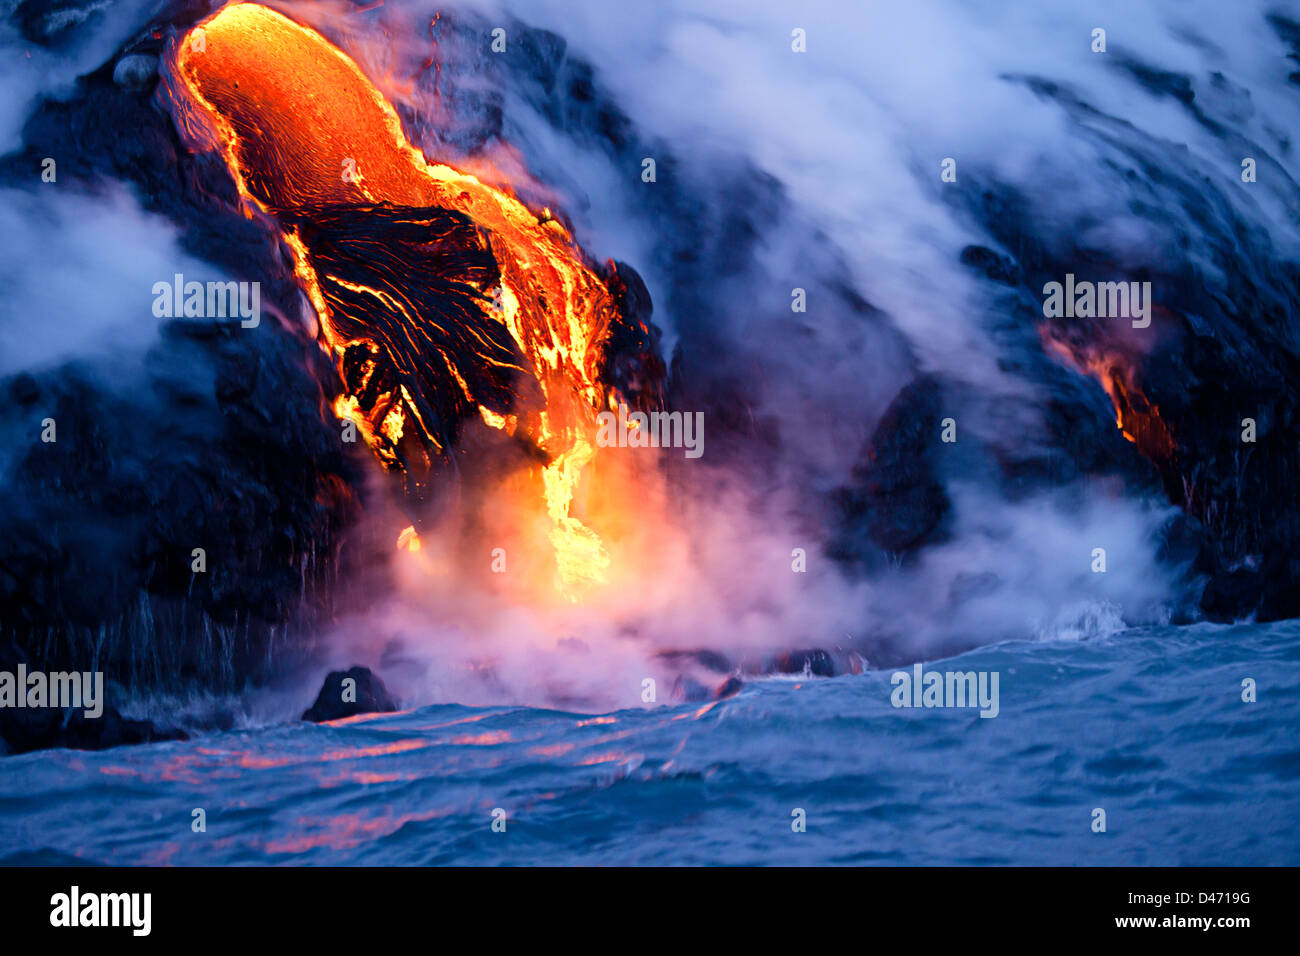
x=27, y=729
x=1221, y=346
x=816, y=662
x=728, y=688
x=24, y=729
x=896, y=500
x=365, y=695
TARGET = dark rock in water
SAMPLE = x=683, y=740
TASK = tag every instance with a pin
x=1265, y=590
x=367, y=695
x=819, y=663
x=1232, y=595
x=728, y=688
x=26, y=729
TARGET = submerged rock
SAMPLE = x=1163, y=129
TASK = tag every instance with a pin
x=366, y=694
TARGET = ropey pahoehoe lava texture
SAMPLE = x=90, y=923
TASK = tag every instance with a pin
x=447, y=305
x=439, y=296
x=924, y=495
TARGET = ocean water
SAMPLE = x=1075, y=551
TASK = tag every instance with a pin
x=1148, y=724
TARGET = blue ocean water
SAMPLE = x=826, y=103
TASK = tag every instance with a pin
x=1148, y=724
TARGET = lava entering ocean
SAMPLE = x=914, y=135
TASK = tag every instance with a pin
x=439, y=297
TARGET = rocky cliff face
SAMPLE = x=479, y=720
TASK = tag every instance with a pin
x=222, y=439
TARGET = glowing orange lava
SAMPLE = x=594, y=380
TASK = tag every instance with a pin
x=1137, y=419
x=302, y=130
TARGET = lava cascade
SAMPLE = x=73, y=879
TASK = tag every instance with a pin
x=438, y=296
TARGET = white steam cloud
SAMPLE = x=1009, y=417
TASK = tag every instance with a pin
x=855, y=131
x=78, y=273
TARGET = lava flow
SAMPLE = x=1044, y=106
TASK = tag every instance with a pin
x=1116, y=368
x=439, y=297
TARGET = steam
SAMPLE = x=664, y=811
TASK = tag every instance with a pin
x=95, y=31
x=78, y=271
x=849, y=138
x=853, y=133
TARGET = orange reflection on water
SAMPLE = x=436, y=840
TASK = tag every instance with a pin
x=363, y=718
x=376, y=750
x=471, y=719
x=551, y=750
x=699, y=713
x=609, y=756
x=488, y=738
x=346, y=831
x=369, y=777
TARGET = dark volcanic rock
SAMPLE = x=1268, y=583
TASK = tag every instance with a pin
x=97, y=561
x=991, y=265
x=220, y=439
x=27, y=729
x=56, y=23
x=369, y=693
x=1232, y=595
x=441, y=344
x=1221, y=347
x=633, y=363
x=897, y=500
x=24, y=729
x=728, y=688
x=819, y=663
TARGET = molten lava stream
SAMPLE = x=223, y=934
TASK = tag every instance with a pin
x=438, y=296
x=1137, y=419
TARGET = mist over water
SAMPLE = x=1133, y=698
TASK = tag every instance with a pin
x=714, y=784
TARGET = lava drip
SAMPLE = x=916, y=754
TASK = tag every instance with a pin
x=1117, y=368
x=438, y=296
